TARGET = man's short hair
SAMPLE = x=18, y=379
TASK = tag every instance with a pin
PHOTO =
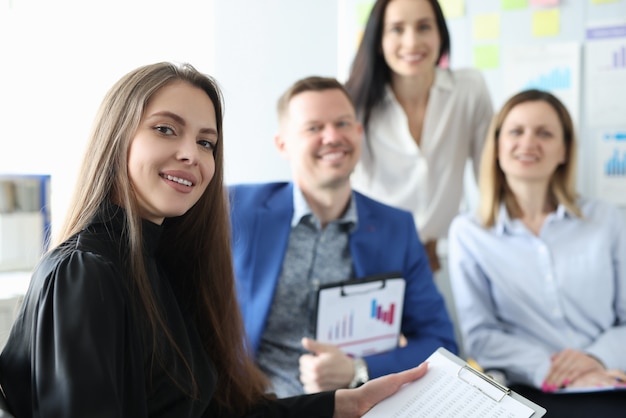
x=312, y=83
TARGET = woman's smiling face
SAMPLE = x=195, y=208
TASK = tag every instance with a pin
x=171, y=160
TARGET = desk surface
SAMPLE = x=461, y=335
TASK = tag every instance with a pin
x=14, y=283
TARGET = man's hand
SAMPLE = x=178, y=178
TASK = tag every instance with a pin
x=327, y=368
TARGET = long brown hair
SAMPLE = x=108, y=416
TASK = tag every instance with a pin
x=202, y=255
x=493, y=189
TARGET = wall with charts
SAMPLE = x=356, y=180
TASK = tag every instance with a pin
x=574, y=48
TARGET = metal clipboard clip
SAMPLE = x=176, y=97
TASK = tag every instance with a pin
x=364, y=287
x=504, y=391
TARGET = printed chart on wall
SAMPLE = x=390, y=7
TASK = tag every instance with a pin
x=550, y=67
x=605, y=70
x=611, y=165
x=605, y=80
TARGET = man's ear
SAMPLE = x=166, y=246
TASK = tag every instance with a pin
x=281, y=146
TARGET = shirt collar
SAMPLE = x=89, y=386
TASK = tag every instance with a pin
x=444, y=80
x=301, y=210
x=116, y=216
x=505, y=223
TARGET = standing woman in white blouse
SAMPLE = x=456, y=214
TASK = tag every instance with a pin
x=421, y=122
x=539, y=276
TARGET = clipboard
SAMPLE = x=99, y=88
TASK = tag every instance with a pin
x=361, y=316
x=452, y=388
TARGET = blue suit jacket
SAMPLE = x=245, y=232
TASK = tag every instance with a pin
x=385, y=241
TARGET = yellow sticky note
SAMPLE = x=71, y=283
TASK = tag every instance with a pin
x=603, y=1
x=363, y=9
x=486, y=56
x=514, y=4
x=452, y=8
x=486, y=26
x=546, y=22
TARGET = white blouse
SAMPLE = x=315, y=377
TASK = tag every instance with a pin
x=426, y=180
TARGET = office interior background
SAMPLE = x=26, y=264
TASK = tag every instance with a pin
x=58, y=59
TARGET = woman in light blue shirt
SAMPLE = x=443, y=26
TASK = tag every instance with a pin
x=539, y=274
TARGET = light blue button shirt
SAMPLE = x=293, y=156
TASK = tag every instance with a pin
x=521, y=298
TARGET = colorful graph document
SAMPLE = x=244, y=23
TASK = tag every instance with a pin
x=362, y=316
x=611, y=165
x=605, y=74
x=553, y=67
x=451, y=388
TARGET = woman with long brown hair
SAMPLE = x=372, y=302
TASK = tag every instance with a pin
x=133, y=313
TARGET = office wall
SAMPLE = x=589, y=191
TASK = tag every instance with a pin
x=258, y=54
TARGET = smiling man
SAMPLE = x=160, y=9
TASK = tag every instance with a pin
x=289, y=238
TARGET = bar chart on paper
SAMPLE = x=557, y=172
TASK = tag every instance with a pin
x=611, y=163
x=618, y=57
x=554, y=79
x=616, y=165
x=343, y=327
x=553, y=67
x=362, y=318
x=605, y=75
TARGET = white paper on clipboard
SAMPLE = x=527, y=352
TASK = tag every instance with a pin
x=451, y=388
x=362, y=316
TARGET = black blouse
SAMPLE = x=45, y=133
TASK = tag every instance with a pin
x=78, y=348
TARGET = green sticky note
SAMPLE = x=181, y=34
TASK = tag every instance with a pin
x=486, y=56
x=363, y=9
x=486, y=26
x=514, y=4
x=452, y=8
x=546, y=22
x=603, y=1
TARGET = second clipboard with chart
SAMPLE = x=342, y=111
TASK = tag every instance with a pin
x=361, y=316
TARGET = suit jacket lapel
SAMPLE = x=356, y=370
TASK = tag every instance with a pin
x=272, y=228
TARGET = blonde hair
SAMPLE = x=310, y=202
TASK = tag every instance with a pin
x=202, y=234
x=493, y=187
